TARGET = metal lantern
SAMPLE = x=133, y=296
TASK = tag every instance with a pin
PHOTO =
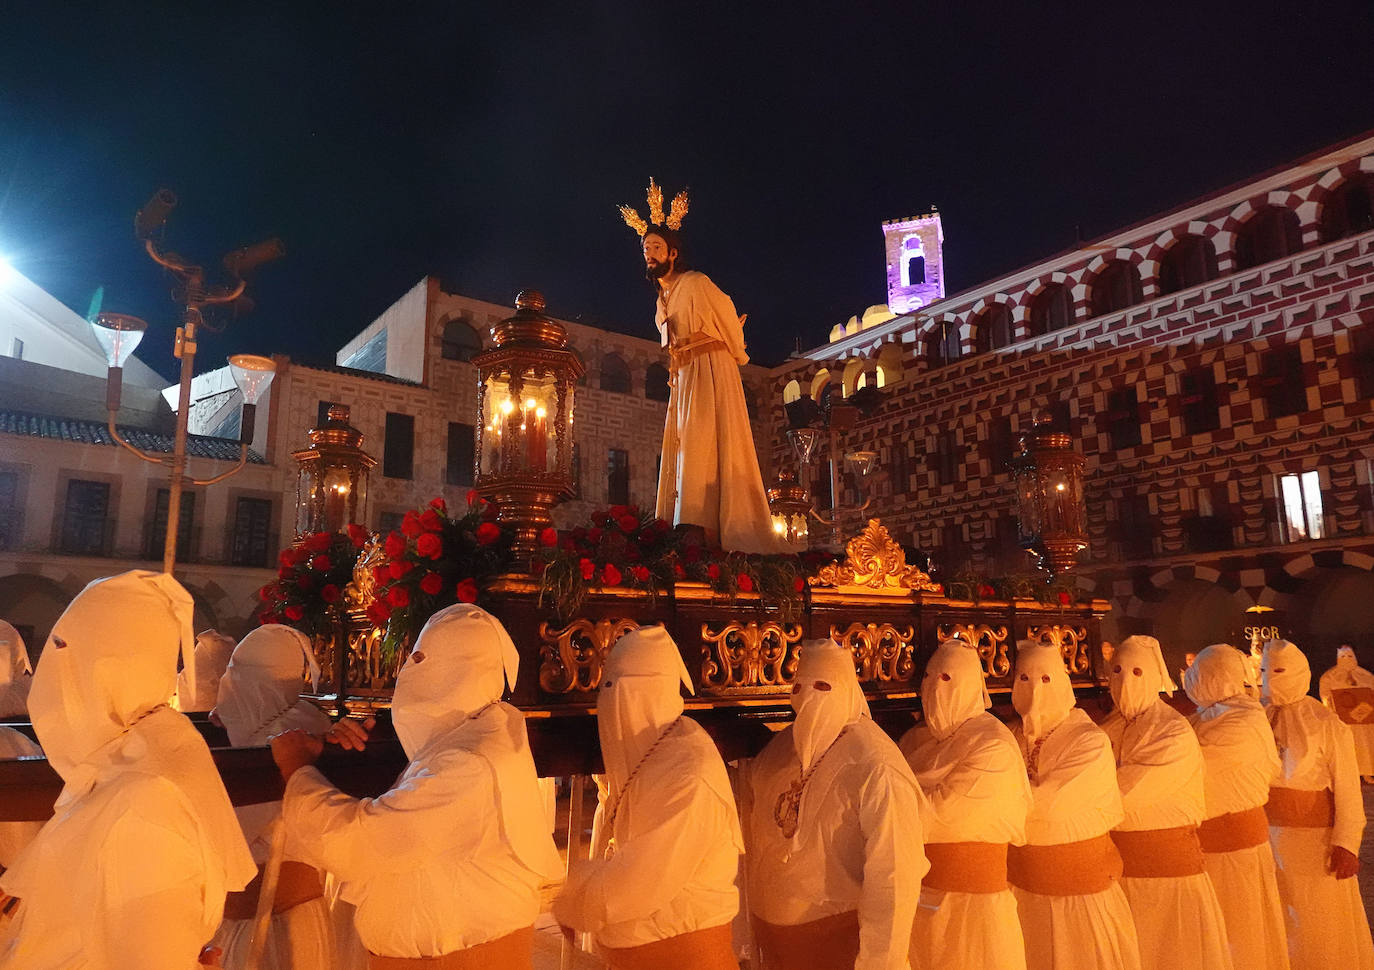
x=1051, y=520
x=790, y=504
x=331, y=487
x=525, y=419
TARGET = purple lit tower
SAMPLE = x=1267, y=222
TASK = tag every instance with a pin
x=915, y=261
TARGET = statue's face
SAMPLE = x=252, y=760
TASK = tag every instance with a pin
x=658, y=258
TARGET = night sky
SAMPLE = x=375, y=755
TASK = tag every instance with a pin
x=489, y=145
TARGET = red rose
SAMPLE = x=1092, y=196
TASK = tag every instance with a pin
x=679, y=572
x=548, y=538
x=398, y=596
x=439, y=505
x=610, y=576
x=358, y=535
x=431, y=584
x=1064, y=598
x=395, y=546
x=330, y=593
x=467, y=591
x=588, y=569
x=490, y=512
x=305, y=582
x=286, y=558
x=601, y=518
x=487, y=533
x=594, y=536
x=295, y=612
x=616, y=511
x=627, y=523
x=640, y=573
x=321, y=564
x=265, y=594
x=985, y=591
x=379, y=613
x=430, y=545
x=474, y=499
x=430, y=521
x=745, y=584
x=399, y=568
x=713, y=571
x=318, y=541
x=381, y=575
x=799, y=585
x=410, y=524
x=286, y=572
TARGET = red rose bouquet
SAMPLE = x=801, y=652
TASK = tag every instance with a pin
x=311, y=577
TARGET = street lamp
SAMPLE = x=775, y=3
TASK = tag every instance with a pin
x=525, y=419
x=1051, y=519
x=331, y=487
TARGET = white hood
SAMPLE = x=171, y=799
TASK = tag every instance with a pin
x=212, y=656
x=1285, y=675
x=823, y=713
x=953, y=689
x=262, y=683
x=1345, y=658
x=1041, y=691
x=1218, y=673
x=639, y=698
x=1137, y=675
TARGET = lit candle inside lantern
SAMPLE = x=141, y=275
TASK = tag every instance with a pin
x=536, y=435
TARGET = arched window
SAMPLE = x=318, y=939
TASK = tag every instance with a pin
x=792, y=392
x=655, y=382
x=993, y=329
x=1115, y=287
x=942, y=344
x=1271, y=233
x=1189, y=261
x=889, y=365
x=615, y=374
x=460, y=341
x=916, y=270
x=853, y=376
x=1347, y=210
x=1051, y=310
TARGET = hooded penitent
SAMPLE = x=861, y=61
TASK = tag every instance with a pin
x=1137, y=675
x=826, y=697
x=212, y=656
x=953, y=689
x=99, y=705
x=1219, y=673
x=15, y=672
x=1041, y=691
x=1285, y=674
x=639, y=698
x=260, y=692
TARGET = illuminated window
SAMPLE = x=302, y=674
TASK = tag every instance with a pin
x=1300, y=498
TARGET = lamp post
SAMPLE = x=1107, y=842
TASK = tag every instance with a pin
x=525, y=419
x=331, y=487
x=1051, y=519
x=119, y=334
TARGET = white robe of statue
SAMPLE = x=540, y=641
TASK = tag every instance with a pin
x=709, y=472
x=1074, y=800
x=259, y=696
x=15, y=835
x=15, y=672
x=1241, y=763
x=454, y=854
x=132, y=869
x=1348, y=673
x=1179, y=922
x=857, y=846
x=974, y=780
x=1327, y=926
x=665, y=858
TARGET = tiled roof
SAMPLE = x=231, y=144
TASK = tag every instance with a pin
x=95, y=433
x=355, y=372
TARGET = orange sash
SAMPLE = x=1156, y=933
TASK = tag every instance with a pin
x=1234, y=831
x=708, y=949
x=1159, y=853
x=967, y=867
x=1299, y=808
x=828, y=943
x=1066, y=869
x=510, y=952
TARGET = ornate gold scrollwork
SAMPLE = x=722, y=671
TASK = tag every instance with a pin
x=362, y=588
x=1069, y=640
x=570, y=657
x=749, y=654
x=872, y=560
x=881, y=651
x=989, y=641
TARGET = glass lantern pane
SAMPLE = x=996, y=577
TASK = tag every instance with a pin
x=520, y=434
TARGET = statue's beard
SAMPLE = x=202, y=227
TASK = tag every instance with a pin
x=656, y=271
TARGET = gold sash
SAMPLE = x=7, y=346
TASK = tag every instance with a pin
x=1299, y=808
x=967, y=867
x=1160, y=853
x=1066, y=869
x=510, y=952
x=1234, y=831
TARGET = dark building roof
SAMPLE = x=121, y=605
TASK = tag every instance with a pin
x=356, y=372
x=95, y=433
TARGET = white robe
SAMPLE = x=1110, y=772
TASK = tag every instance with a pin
x=15, y=835
x=426, y=863
x=1241, y=763
x=1179, y=922
x=976, y=791
x=1339, y=677
x=1326, y=921
x=709, y=472
x=677, y=852
x=1075, y=797
x=858, y=846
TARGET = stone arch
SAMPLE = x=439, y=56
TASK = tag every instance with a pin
x=982, y=333
x=1330, y=197
x=791, y=392
x=1038, y=291
x=889, y=364
x=852, y=377
x=459, y=339
x=35, y=601
x=819, y=383
x=1119, y=270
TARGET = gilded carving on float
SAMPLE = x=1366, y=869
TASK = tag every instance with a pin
x=1071, y=641
x=749, y=654
x=570, y=657
x=362, y=590
x=874, y=561
x=882, y=652
x=989, y=641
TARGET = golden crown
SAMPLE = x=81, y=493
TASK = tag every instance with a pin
x=677, y=209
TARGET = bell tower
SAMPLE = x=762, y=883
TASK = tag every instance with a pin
x=915, y=261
